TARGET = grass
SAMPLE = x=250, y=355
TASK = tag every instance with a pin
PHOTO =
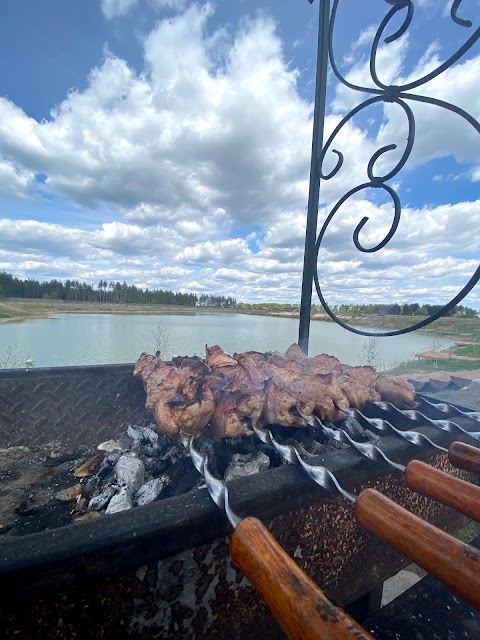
x=428, y=366
x=472, y=351
x=25, y=309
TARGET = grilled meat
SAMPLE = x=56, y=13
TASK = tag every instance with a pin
x=216, y=357
x=187, y=411
x=236, y=413
x=232, y=393
x=283, y=406
x=395, y=390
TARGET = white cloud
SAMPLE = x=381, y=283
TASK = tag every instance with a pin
x=189, y=152
x=193, y=133
x=13, y=180
x=112, y=8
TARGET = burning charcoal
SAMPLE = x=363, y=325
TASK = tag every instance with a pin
x=354, y=429
x=149, y=491
x=69, y=494
x=246, y=465
x=121, y=501
x=156, y=467
x=100, y=501
x=180, y=478
x=112, y=458
x=175, y=453
x=130, y=472
x=90, y=467
x=109, y=462
x=139, y=434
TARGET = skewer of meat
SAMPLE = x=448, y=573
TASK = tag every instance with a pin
x=230, y=394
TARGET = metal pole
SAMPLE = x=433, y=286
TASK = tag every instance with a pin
x=314, y=189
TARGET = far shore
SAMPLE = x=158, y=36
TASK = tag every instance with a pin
x=25, y=309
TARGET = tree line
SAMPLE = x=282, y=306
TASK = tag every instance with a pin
x=405, y=309
x=104, y=291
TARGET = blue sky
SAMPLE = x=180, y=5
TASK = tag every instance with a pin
x=167, y=143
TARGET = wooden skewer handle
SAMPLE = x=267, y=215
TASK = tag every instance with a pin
x=464, y=456
x=297, y=603
x=454, y=563
x=458, y=494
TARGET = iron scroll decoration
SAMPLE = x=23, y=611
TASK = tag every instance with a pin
x=399, y=95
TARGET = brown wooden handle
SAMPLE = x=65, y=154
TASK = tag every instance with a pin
x=458, y=494
x=300, y=607
x=454, y=563
x=464, y=456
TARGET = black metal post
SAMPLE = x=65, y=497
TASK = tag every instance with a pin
x=314, y=189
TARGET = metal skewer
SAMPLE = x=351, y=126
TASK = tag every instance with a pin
x=446, y=558
x=418, y=439
x=297, y=603
x=450, y=410
x=412, y=415
x=453, y=492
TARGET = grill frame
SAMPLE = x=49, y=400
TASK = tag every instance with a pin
x=113, y=548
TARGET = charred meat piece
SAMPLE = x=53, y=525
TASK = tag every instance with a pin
x=216, y=357
x=280, y=361
x=194, y=364
x=358, y=384
x=236, y=413
x=322, y=390
x=324, y=363
x=145, y=365
x=356, y=393
x=395, y=390
x=296, y=354
x=189, y=410
x=258, y=369
x=164, y=380
x=284, y=407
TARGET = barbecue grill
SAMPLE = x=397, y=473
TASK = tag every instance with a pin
x=164, y=569
x=167, y=563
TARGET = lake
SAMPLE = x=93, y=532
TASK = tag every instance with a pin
x=78, y=339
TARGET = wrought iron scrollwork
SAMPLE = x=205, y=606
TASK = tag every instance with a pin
x=399, y=95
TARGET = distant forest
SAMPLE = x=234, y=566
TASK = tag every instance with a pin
x=123, y=293
x=406, y=309
x=115, y=292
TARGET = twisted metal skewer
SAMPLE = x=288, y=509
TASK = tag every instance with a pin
x=450, y=410
x=367, y=449
x=216, y=488
x=380, y=424
x=320, y=474
x=412, y=415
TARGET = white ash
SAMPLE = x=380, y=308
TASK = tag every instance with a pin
x=149, y=491
x=130, y=472
x=246, y=465
x=121, y=501
x=145, y=435
x=145, y=466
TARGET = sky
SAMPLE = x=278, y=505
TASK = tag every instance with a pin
x=167, y=143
